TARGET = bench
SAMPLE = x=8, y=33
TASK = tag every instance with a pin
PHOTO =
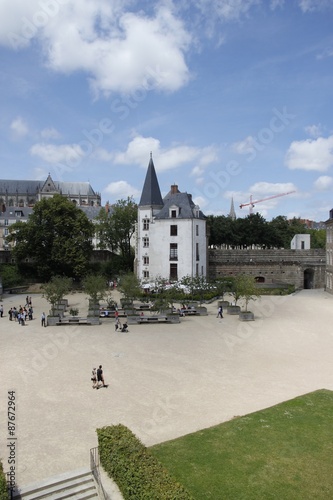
x=111, y=314
x=74, y=321
x=152, y=319
x=188, y=312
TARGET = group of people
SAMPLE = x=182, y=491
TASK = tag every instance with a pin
x=22, y=313
x=97, y=378
x=118, y=325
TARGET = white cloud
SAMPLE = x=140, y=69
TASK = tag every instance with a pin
x=324, y=183
x=103, y=155
x=121, y=190
x=64, y=153
x=139, y=148
x=245, y=146
x=19, y=127
x=226, y=10
x=314, y=5
x=50, y=133
x=119, y=51
x=314, y=130
x=266, y=189
x=311, y=154
x=200, y=201
x=276, y=3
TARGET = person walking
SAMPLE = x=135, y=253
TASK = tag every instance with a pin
x=117, y=324
x=94, y=378
x=43, y=319
x=1, y=311
x=220, y=312
x=100, y=377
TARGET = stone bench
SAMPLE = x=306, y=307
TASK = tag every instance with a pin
x=78, y=321
x=152, y=319
x=111, y=314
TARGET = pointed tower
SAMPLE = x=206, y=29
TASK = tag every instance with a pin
x=232, y=213
x=151, y=194
x=150, y=204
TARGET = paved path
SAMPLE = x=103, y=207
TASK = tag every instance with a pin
x=164, y=380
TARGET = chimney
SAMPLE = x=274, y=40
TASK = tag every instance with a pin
x=174, y=189
x=107, y=207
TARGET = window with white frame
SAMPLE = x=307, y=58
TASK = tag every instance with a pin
x=145, y=260
x=145, y=274
x=145, y=224
x=173, y=251
x=145, y=242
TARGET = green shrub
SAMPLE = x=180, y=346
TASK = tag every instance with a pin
x=137, y=473
x=10, y=275
x=3, y=485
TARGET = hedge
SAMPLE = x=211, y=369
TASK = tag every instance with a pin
x=3, y=485
x=137, y=473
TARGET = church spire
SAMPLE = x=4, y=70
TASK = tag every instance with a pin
x=232, y=213
x=151, y=194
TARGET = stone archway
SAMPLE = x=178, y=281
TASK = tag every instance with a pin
x=308, y=279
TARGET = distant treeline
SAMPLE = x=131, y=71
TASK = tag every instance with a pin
x=255, y=230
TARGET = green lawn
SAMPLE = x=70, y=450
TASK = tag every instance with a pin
x=283, y=452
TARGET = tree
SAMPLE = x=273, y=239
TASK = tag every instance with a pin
x=245, y=288
x=95, y=287
x=129, y=285
x=56, y=289
x=57, y=236
x=116, y=228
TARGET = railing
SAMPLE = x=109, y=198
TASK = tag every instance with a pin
x=94, y=466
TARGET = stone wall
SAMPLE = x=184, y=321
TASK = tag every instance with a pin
x=302, y=268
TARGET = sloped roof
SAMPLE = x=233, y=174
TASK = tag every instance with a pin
x=151, y=194
x=183, y=201
x=19, y=186
x=33, y=187
x=9, y=213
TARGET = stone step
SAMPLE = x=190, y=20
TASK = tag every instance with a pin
x=79, y=485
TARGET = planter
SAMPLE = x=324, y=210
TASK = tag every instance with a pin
x=246, y=316
x=94, y=312
x=223, y=303
x=56, y=312
x=233, y=309
x=63, y=302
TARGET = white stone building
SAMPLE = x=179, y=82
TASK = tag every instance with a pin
x=301, y=242
x=329, y=253
x=171, y=238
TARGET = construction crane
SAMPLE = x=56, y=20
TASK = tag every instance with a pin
x=252, y=203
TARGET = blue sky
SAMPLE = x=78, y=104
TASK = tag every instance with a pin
x=232, y=97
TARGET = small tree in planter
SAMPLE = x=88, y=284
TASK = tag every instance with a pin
x=247, y=290
x=129, y=285
x=222, y=285
x=235, y=292
x=95, y=287
x=54, y=291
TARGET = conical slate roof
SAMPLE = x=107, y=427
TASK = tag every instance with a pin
x=232, y=213
x=151, y=194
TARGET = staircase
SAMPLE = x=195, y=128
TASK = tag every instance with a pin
x=78, y=485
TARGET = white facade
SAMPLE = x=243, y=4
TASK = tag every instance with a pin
x=171, y=237
x=300, y=242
